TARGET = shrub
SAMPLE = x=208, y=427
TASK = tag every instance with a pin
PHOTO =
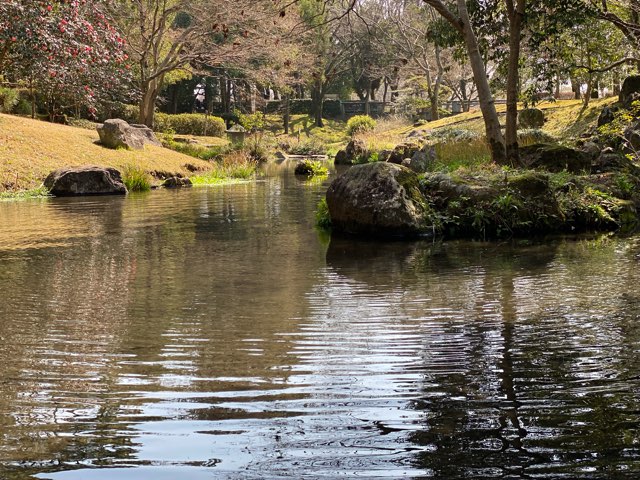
x=136, y=179
x=310, y=146
x=252, y=122
x=81, y=123
x=190, y=124
x=23, y=107
x=311, y=168
x=360, y=124
x=8, y=99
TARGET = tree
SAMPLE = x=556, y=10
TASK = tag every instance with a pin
x=330, y=47
x=69, y=51
x=458, y=17
x=168, y=35
x=413, y=31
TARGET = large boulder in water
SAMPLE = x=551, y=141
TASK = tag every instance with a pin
x=116, y=133
x=380, y=199
x=85, y=181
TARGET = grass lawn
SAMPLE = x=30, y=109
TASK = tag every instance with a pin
x=31, y=149
x=565, y=118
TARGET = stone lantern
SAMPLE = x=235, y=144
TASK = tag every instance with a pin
x=236, y=134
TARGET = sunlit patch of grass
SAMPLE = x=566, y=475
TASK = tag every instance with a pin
x=233, y=167
x=451, y=156
x=312, y=168
x=31, y=149
x=379, y=141
x=39, y=192
x=136, y=179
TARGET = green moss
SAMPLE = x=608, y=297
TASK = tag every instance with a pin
x=40, y=192
x=312, y=168
x=323, y=218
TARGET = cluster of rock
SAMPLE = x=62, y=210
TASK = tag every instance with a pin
x=96, y=180
x=390, y=199
x=419, y=157
x=628, y=139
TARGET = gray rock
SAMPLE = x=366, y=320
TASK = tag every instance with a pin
x=592, y=149
x=418, y=134
x=116, y=133
x=356, y=149
x=402, y=151
x=554, y=158
x=610, y=161
x=342, y=158
x=89, y=180
x=353, y=152
x=632, y=136
x=422, y=160
x=378, y=199
x=531, y=118
x=384, y=155
x=630, y=86
x=607, y=115
x=176, y=182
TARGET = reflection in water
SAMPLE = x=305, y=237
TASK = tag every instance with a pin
x=209, y=333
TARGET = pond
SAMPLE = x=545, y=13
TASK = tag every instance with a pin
x=213, y=333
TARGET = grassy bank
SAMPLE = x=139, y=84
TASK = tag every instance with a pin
x=564, y=118
x=31, y=149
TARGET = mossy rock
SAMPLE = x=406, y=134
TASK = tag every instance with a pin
x=554, y=158
x=630, y=87
x=531, y=118
x=530, y=184
x=379, y=199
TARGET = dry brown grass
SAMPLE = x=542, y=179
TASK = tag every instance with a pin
x=31, y=149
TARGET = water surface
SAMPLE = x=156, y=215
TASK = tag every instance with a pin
x=212, y=333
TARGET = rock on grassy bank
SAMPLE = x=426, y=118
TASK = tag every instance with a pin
x=31, y=149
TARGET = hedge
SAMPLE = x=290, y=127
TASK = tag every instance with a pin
x=190, y=124
x=182, y=124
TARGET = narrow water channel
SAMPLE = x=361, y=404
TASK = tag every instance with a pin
x=212, y=333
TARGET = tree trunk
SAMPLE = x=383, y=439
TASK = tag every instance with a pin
x=224, y=95
x=317, y=100
x=587, y=95
x=252, y=95
x=150, y=90
x=616, y=84
x=434, y=96
x=367, y=99
x=516, y=16
x=286, y=114
x=575, y=87
x=487, y=103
